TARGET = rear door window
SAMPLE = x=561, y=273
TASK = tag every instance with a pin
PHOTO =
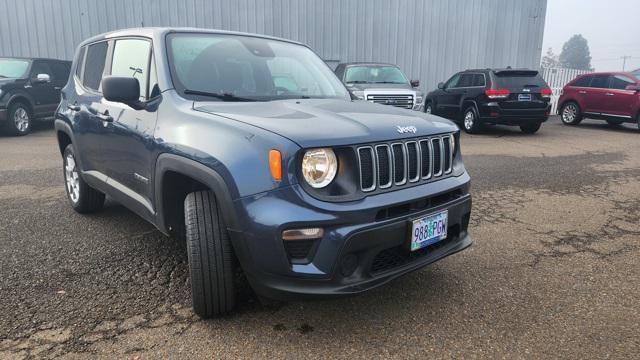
x=619, y=82
x=60, y=71
x=599, y=81
x=131, y=58
x=583, y=81
x=94, y=65
x=466, y=80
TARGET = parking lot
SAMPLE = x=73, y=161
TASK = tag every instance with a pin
x=554, y=271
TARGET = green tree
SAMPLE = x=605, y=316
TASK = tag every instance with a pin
x=575, y=54
x=550, y=60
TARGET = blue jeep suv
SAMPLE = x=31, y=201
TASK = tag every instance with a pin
x=306, y=191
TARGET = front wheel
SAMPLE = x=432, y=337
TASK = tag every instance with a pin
x=470, y=121
x=211, y=260
x=428, y=108
x=570, y=113
x=19, y=121
x=530, y=128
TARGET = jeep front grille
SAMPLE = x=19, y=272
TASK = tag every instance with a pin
x=400, y=100
x=407, y=162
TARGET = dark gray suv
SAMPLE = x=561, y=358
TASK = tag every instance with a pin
x=306, y=191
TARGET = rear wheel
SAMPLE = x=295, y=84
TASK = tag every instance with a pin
x=570, y=113
x=83, y=198
x=211, y=261
x=531, y=128
x=470, y=121
x=19, y=121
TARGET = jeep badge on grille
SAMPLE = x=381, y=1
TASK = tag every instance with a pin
x=406, y=129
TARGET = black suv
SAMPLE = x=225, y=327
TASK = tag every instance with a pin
x=493, y=96
x=29, y=90
x=306, y=191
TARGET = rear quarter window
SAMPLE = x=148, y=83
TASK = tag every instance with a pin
x=94, y=65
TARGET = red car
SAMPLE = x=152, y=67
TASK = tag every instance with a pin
x=612, y=96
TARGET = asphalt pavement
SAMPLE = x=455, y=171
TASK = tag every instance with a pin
x=554, y=271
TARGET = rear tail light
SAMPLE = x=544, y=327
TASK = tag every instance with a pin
x=546, y=93
x=497, y=93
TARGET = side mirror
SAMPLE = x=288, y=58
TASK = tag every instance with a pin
x=415, y=83
x=123, y=90
x=632, y=87
x=441, y=85
x=42, y=78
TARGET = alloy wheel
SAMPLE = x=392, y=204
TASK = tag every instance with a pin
x=21, y=119
x=469, y=119
x=428, y=109
x=569, y=113
x=72, y=178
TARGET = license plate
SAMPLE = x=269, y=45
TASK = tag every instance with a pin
x=524, y=97
x=429, y=230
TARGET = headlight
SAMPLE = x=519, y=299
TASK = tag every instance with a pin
x=419, y=99
x=359, y=94
x=319, y=167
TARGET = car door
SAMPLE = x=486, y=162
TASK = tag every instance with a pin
x=60, y=70
x=88, y=126
x=446, y=97
x=594, y=97
x=45, y=97
x=619, y=102
x=128, y=133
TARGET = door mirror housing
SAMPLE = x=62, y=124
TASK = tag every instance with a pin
x=441, y=85
x=125, y=90
x=415, y=83
x=42, y=78
x=634, y=87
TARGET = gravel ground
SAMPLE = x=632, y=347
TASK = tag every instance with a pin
x=554, y=271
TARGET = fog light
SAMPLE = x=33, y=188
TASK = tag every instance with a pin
x=302, y=234
x=348, y=264
x=494, y=114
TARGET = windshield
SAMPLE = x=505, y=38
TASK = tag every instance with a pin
x=637, y=75
x=234, y=67
x=13, y=68
x=375, y=74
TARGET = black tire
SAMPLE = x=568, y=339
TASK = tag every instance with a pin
x=428, y=107
x=614, y=122
x=211, y=259
x=573, y=114
x=84, y=199
x=19, y=113
x=530, y=128
x=473, y=126
x=638, y=120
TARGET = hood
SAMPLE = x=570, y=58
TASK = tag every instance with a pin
x=328, y=122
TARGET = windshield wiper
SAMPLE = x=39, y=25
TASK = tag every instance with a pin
x=357, y=82
x=387, y=82
x=223, y=97
x=4, y=77
x=531, y=85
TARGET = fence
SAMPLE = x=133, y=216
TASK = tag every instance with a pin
x=557, y=78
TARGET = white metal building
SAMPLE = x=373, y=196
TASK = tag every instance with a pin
x=429, y=39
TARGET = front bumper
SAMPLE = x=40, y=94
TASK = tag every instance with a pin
x=360, y=249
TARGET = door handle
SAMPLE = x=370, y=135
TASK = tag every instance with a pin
x=609, y=94
x=105, y=116
x=57, y=87
x=74, y=107
x=582, y=92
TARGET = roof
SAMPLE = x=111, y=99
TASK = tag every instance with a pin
x=158, y=32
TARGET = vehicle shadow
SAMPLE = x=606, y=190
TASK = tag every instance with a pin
x=601, y=125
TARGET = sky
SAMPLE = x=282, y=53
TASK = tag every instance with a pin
x=612, y=28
